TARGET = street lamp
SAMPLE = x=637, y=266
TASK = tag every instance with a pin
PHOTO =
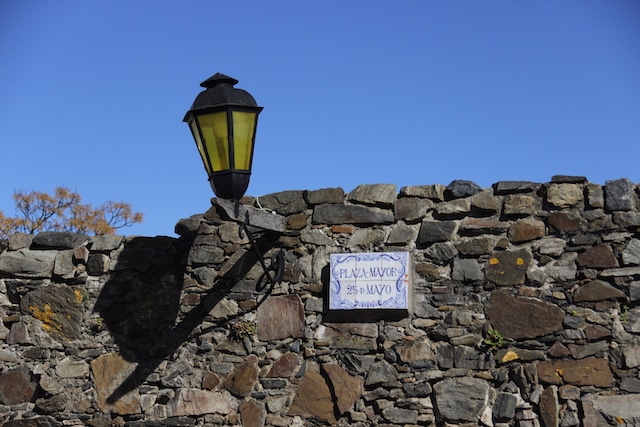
x=223, y=122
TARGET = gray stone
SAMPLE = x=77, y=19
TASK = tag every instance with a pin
x=580, y=351
x=19, y=334
x=325, y=195
x=176, y=374
x=460, y=188
x=317, y=237
x=59, y=240
x=59, y=308
x=433, y=192
x=631, y=253
x=475, y=246
x=630, y=385
x=596, y=290
x=188, y=227
x=508, y=187
x=205, y=254
x=627, y=219
x=284, y=202
x=595, y=195
x=474, y=226
x=454, y=207
x=550, y=246
x=435, y=231
x=20, y=241
x=191, y=401
x=623, y=407
x=441, y=251
x=68, y=368
x=563, y=269
x=568, y=179
x=350, y=214
x=466, y=270
x=461, y=399
x=411, y=208
x=365, y=237
x=381, y=372
x=422, y=389
x=228, y=232
x=634, y=290
x=631, y=356
x=28, y=263
x=107, y=242
x=467, y=357
x=418, y=351
x=224, y=309
x=422, y=308
x=504, y=409
x=618, y=195
x=620, y=272
x=53, y=404
x=564, y=195
x=402, y=234
x=400, y=415
x=63, y=265
x=485, y=202
x=52, y=385
x=98, y=264
x=8, y=356
x=520, y=204
x=383, y=195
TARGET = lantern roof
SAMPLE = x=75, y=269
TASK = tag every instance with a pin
x=220, y=92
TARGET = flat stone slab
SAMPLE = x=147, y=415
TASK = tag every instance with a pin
x=523, y=318
x=591, y=371
x=508, y=268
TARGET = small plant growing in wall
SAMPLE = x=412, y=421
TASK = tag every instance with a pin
x=494, y=339
x=243, y=329
x=624, y=315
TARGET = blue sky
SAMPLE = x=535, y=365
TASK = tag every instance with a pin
x=92, y=94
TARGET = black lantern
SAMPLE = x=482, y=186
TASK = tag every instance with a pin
x=223, y=122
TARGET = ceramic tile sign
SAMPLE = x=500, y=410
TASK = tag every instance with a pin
x=369, y=281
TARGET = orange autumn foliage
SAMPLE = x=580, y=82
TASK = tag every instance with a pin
x=63, y=211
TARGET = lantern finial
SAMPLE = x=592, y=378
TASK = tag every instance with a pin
x=218, y=78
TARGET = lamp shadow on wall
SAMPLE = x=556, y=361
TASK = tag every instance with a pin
x=140, y=303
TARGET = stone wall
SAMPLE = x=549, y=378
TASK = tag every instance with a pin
x=525, y=313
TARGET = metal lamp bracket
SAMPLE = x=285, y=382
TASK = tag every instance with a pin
x=248, y=216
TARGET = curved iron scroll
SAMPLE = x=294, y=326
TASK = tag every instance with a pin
x=273, y=272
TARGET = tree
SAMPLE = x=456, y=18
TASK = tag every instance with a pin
x=63, y=211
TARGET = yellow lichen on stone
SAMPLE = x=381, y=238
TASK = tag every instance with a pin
x=559, y=372
x=79, y=296
x=46, y=316
x=494, y=261
x=509, y=356
x=520, y=261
